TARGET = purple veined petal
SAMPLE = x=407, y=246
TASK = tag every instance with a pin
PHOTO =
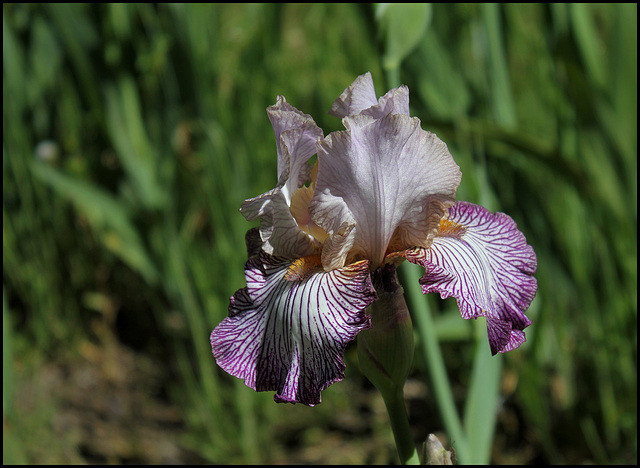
x=390, y=178
x=484, y=261
x=287, y=330
x=255, y=207
x=360, y=95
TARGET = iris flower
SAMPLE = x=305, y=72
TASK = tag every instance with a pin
x=381, y=191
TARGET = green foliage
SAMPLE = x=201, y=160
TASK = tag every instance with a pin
x=133, y=132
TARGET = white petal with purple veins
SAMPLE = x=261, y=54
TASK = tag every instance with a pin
x=287, y=330
x=484, y=261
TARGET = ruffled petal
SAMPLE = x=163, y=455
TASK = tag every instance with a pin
x=287, y=330
x=360, y=98
x=484, y=261
x=396, y=101
x=296, y=135
x=389, y=177
x=279, y=230
x=337, y=247
x=360, y=95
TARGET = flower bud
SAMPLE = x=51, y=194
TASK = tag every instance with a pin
x=385, y=351
x=433, y=453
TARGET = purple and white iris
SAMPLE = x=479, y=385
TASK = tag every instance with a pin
x=381, y=191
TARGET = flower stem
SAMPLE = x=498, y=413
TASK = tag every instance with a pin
x=385, y=354
x=435, y=361
x=394, y=401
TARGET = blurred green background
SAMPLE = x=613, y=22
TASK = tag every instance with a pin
x=133, y=132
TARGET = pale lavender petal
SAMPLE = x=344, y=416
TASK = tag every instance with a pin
x=396, y=101
x=337, y=247
x=253, y=208
x=484, y=261
x=389, y=177
x=287, y=330
x=296, y=135
x=279, y=231
x=360, y=95
x=360, y=98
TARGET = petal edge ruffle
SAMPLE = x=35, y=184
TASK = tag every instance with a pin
x=389, y=177
x=296, y=135
x=484, y=261
x=290, y=336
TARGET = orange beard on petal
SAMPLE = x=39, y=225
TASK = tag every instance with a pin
x=450, y=229
x=396, y=253
x=303, y=268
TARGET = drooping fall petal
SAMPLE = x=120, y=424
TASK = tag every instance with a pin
x=287, y=330
x=484, y=261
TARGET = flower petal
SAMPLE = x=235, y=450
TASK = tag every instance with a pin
x=279, y=231
x=337, y=247
x=360, y=95
x=289, y=335
x=388, y=177
x=396, y=101
x=484, y=261
x=360, y=98
x=296, y=134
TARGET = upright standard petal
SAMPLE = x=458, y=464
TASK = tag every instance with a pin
x=484, y=261
x=360, y=95
x=388, y=177
x=296, y=135
x=396, y=101
x=287, y=330
x=360, y=98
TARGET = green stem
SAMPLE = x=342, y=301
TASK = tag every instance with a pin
x=385, y=354
x=394, y=401
x=435, y=360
